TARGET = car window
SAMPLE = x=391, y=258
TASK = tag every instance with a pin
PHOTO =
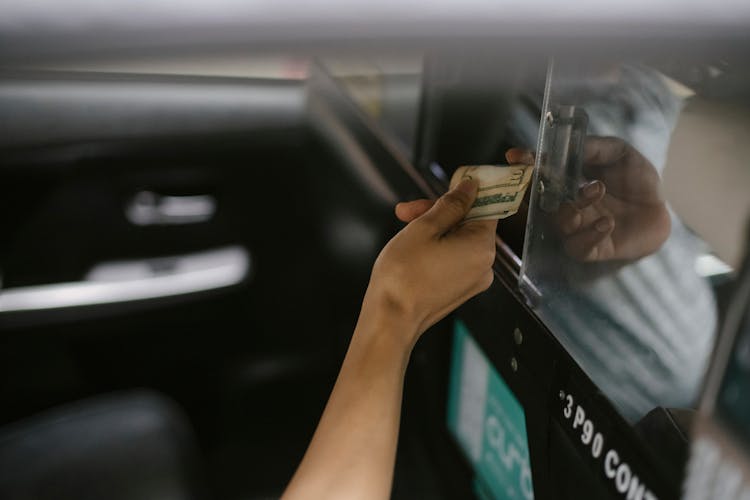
x=635, y=221
x=387, y=88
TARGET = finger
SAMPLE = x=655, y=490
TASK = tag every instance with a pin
x=600, y=151
x=410, y=210
x=569, y=219
x=486, y=282
x=479, y=237
x=452, y=207
x=589, y=194
x=516, y=156
x=478, y=232
x=627, y=173
x=489, y=226
x=590, y=244
x=570, y=216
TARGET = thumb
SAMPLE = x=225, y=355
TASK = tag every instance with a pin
x=407, y=211
x=452, y=207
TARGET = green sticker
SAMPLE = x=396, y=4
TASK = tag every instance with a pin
x=488, y=422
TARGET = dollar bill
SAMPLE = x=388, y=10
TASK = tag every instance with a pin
x=501, y=189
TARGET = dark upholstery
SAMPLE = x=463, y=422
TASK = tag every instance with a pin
x=124, y=447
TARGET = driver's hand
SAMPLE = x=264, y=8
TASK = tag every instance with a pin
x=435, y=263
x=620, y=214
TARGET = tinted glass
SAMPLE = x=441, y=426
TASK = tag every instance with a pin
x=622, y=279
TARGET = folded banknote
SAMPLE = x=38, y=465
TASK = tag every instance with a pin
x=501, y=189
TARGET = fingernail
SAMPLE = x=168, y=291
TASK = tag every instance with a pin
x=604, y=224
x=592, y=189
x=468, y=185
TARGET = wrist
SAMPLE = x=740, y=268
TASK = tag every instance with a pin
x=386, y=326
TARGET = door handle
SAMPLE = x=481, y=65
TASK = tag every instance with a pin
x=136, y=280
x=148, y=208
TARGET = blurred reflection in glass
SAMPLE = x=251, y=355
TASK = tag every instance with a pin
x=620, y=212
x=616, y=272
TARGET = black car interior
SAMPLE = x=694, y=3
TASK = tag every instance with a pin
x=214, y=392
x=251, y=364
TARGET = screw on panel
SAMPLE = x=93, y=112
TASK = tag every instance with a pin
x=561, y=394
x=517, y=336
x=514, y=364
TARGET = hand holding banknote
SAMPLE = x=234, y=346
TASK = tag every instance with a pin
x=436, y=262
x=501, y=189
x=500, y=193
x=619, y=214
x=429, y=268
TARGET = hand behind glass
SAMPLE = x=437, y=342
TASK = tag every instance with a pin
x=620, y=214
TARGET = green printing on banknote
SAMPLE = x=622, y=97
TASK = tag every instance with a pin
x=495, y=198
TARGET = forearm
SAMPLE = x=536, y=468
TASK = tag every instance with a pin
x=353, y=451
x=429, y=268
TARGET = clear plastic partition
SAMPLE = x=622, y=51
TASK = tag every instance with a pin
x=627, y=284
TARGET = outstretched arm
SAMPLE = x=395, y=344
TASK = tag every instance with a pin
x=428, y=269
